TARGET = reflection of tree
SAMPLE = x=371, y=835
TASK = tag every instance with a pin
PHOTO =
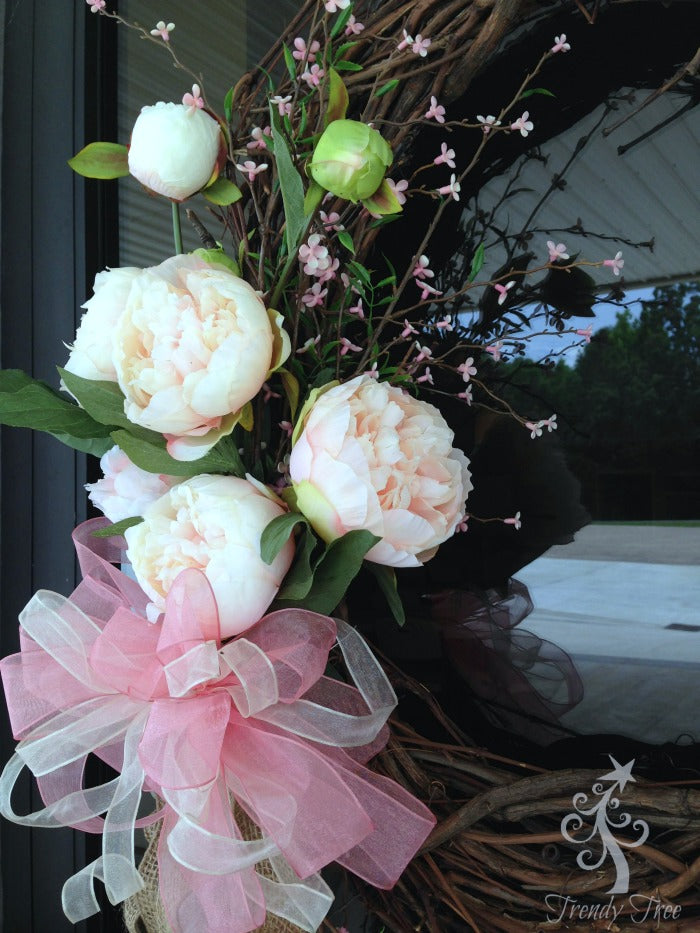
x=630, y=403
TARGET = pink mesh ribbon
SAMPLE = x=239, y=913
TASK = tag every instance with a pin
x=177, y=713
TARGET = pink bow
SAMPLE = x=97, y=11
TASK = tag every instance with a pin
x=198, y=722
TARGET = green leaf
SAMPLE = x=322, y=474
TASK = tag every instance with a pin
x=29, y=403
x=361, y=272
x=346, y=240
x=314, y=195
x=477, y=262
x=218, y=257
x=104, y=401
x=118, y=528
x=299, y=579
x=336, y=569
x=291, y=186
x=341, y=22
x=345, y=47
x=347, y=66
x=228, y=105
x=222, y=192
x=536, y=90
x=338, y=99
x=386, y=578
x=276, y=534
x=383, y=201
x=291, y=388
x=155, y=458
x=101, y=160
x=385, y=88
x=290, y=62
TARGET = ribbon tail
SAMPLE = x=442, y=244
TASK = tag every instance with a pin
x=116, y=866
x=304, y=903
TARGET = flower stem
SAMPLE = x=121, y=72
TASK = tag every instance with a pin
x=177, y=230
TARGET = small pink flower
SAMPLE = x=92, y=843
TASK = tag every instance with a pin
x=427, y=290
x=435, y=111
x=332, y=6
x=503, y=291
x=328, y=274
x=373, y=373
x=314, y=296
x=495, y=350
x=615, y=264
x=96, y=5
x=287, y=427
x=424, y=353
x=258, y=141
x=445, y=324
x=408, y=329
x=301, y=53
x=522, y=124
x=268, y=393
x=420, y=46
x=345, y=279
x=330, y=221
x=311, y=342
x=426, y=377
x=250, y=169
x=357, y=309
x=313, y=75
x=353, y=28
x=462, y=526
x=515, y=521
x=314, y=255
x=488, y=122
x=398, y=187
x=421, y=269
x=346, y=346
x=467, y=369
x=560, y=44
x=194, y=101
x=405, y=42
x=162, y=30
x=550, y=423
x=535, y=429
x=556, y=251
x=452, y=189
x=586, y=333
x=466, y=396
x=283, y=104
x=446, y=156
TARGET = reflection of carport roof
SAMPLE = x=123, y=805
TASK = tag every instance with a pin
x=650, y=191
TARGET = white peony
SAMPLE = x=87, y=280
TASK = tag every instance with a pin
x=174, y=149
x=214, y=524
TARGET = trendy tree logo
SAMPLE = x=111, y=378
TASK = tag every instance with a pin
x=606, y=822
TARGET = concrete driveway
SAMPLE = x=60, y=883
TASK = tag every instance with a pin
x=624, y=603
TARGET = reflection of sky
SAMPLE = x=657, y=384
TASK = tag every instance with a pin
x=605, y=315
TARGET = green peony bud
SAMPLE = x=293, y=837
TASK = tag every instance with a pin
x=350, y=160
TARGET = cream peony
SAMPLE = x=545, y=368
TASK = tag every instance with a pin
x=125, y=490
x=174, y=149
x=214, y=524
x=369, y=455
x=91, y=353
x=189, y=344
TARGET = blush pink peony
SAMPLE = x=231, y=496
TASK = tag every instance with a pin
x=214, y=524
x=368, y=455
x=126, y=490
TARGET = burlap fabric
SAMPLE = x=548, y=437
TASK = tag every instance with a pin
x=144, y=913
